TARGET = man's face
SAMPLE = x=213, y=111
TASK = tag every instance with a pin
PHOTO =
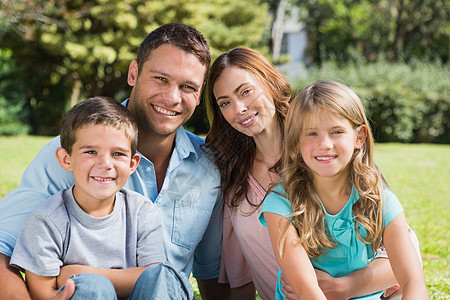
x=166, y=91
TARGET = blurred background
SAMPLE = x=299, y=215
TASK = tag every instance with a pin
x=394, y=53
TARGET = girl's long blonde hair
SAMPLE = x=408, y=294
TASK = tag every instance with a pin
x=364, y=175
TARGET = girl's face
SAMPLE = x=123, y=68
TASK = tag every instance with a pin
x=244, y=101
x=327, y=144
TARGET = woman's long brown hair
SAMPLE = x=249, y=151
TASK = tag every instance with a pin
x=232, y=151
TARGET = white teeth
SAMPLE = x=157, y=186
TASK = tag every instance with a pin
x=164, y=111
x=248, y=120
x=102, y=179
x=325, y=157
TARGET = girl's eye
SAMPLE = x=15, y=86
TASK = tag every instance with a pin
x=246, y=91
x=337, y=132
x=311, y=134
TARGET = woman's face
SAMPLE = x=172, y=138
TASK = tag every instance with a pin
x=244, y=101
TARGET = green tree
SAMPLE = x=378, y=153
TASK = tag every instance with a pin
x=71, y=50
x=400, y=29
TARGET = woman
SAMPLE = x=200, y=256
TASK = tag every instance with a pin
x=247, y=104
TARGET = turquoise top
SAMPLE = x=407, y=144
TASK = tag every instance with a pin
x=350, y=253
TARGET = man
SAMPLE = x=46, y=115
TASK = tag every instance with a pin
x=167, y=79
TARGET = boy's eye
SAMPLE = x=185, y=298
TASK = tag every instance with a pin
x=118, y=154
x=90, y=152
x=337, y=131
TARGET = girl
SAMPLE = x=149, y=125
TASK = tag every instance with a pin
x=333, y=209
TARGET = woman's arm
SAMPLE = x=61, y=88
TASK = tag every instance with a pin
x=122, y=279
x=295, y=263
x=403, y=259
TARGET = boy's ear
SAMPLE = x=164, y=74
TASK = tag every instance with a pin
x=134, y=162
x=132, y=73
x=361, y=134
x=64, y=159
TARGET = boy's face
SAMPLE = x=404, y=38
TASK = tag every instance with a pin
x=101, y=162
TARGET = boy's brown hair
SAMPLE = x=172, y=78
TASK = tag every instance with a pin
x=94, y=111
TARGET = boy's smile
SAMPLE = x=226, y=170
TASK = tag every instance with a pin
x=101, y=162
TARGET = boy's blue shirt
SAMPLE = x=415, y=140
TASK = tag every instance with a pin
x=189, y=202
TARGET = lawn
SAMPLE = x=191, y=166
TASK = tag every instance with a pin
x=419, y=174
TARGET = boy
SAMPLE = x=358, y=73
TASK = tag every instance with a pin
x=96, y=226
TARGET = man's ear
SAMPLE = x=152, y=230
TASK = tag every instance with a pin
x=361, y=134
x=132, y=73
x=134, y=162
x=64, y=159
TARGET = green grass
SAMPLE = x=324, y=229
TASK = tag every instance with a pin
x=419, y=174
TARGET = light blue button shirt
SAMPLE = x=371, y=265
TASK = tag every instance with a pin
x=190, y=205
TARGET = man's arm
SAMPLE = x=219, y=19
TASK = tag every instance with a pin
x=207, y=257
x=12, y=284
x=211, y=289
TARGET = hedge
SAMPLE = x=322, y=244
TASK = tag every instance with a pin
x=405, y=102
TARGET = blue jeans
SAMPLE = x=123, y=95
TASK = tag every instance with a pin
x=92, y=286
x=157, y=282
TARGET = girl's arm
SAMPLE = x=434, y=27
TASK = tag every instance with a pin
x=122, y=279
x=295, y=263
x=403, y=259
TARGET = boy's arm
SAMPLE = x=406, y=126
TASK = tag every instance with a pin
x=122, y=279
x=41, y=287
x=403, y=259
x=294, y=262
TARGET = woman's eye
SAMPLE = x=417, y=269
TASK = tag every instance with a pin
x=223, y=104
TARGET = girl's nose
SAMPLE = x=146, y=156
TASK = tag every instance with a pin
x=325, y=142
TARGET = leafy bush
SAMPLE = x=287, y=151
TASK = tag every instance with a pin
x=12, y=97
x=405, y=102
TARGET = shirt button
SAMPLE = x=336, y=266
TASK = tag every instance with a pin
x=148, y=169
